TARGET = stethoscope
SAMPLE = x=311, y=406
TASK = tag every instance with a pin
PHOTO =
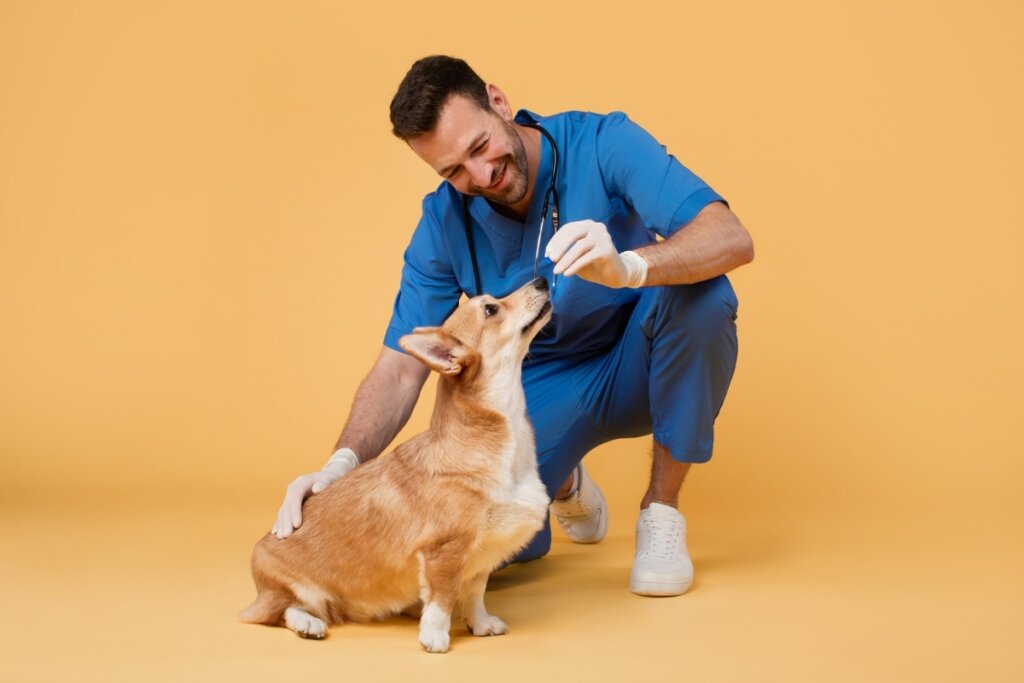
x=549, y=194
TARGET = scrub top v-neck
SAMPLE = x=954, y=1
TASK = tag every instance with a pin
x=610, y=170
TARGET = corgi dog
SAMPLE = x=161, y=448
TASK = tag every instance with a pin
x=428, y=522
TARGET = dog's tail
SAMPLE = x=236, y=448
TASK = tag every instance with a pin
x=268, y=608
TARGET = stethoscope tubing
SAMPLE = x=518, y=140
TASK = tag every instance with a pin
x=549, y=194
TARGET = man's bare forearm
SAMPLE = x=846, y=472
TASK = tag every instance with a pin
x=383, y=404
x=714, y=243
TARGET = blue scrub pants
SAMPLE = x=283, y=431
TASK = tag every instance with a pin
x=668, y=374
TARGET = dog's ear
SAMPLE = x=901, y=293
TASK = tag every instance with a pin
x=436, y=349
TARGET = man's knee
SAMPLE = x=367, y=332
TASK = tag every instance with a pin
x=538, y=547
x=702, y=312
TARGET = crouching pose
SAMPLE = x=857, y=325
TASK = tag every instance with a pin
x=644, y=336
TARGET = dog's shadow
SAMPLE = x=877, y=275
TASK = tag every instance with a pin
x=515, y=575
x=728, y=552
x=511, y=577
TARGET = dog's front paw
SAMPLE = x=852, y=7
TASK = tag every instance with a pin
x=434, y=640
x=490, y=625
x=304, y=624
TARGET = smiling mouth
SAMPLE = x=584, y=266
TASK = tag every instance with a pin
x=501, y=178
x=544, y=310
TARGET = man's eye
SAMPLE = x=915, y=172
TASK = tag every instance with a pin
x=490, y=309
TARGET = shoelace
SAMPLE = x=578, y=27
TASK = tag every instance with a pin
x=661, y=538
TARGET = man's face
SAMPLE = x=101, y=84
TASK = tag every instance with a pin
x=478, y=151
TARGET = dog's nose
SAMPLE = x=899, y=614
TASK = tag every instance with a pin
x=540, y=283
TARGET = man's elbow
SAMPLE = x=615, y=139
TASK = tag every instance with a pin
x=740, y=241
x=743, y=245
x=746, y=249
x=398, y=369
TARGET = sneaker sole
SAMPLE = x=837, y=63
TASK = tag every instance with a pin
x=659, y=589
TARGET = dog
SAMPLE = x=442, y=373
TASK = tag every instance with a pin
x=430, y=521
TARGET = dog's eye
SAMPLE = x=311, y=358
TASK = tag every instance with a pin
x=490, y=309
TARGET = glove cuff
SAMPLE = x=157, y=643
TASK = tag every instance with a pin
x=636, y=269
x=343, y=461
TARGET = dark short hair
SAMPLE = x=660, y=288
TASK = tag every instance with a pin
x=426, y=88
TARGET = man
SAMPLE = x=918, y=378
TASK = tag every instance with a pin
x=644, y=336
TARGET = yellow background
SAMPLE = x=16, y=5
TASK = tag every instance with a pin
x=202, y=214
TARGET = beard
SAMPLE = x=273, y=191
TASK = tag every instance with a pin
x=515, y=167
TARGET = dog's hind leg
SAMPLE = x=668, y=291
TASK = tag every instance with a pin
x=305, y=624
x=440, y=579
x=480, y=623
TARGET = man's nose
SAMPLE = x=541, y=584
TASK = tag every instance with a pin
x=480, y=172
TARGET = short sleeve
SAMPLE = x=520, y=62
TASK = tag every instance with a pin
x=429, y=291
x=638, y=169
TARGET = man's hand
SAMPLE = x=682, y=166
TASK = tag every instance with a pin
x=289, y=517
x=585, y=248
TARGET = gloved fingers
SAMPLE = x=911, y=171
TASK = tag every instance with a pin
x=282, y=527
x=321, y=482
x=609, y=270
x=293, y=501
x=583, y=246
x=568, y=234
x=289, y=517
x=599, y=259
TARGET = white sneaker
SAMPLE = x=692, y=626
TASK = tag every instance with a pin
x=662, y=565
x=583, y=516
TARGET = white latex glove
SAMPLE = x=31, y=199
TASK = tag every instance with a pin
x=289, y=517
x=585, y=248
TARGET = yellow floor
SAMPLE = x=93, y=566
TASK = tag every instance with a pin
x=144, y=595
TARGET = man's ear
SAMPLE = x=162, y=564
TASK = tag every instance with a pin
x=499, y=102
x=436, y=349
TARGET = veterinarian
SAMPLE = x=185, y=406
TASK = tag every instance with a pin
x=644, y=338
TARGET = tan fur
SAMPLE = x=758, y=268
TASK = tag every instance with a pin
x=432, y=519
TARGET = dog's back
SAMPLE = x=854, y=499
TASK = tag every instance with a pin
x=429, y=521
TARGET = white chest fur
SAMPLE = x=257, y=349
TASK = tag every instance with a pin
x=518, y=499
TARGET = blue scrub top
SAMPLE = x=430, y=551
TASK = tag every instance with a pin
x=610, y=170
